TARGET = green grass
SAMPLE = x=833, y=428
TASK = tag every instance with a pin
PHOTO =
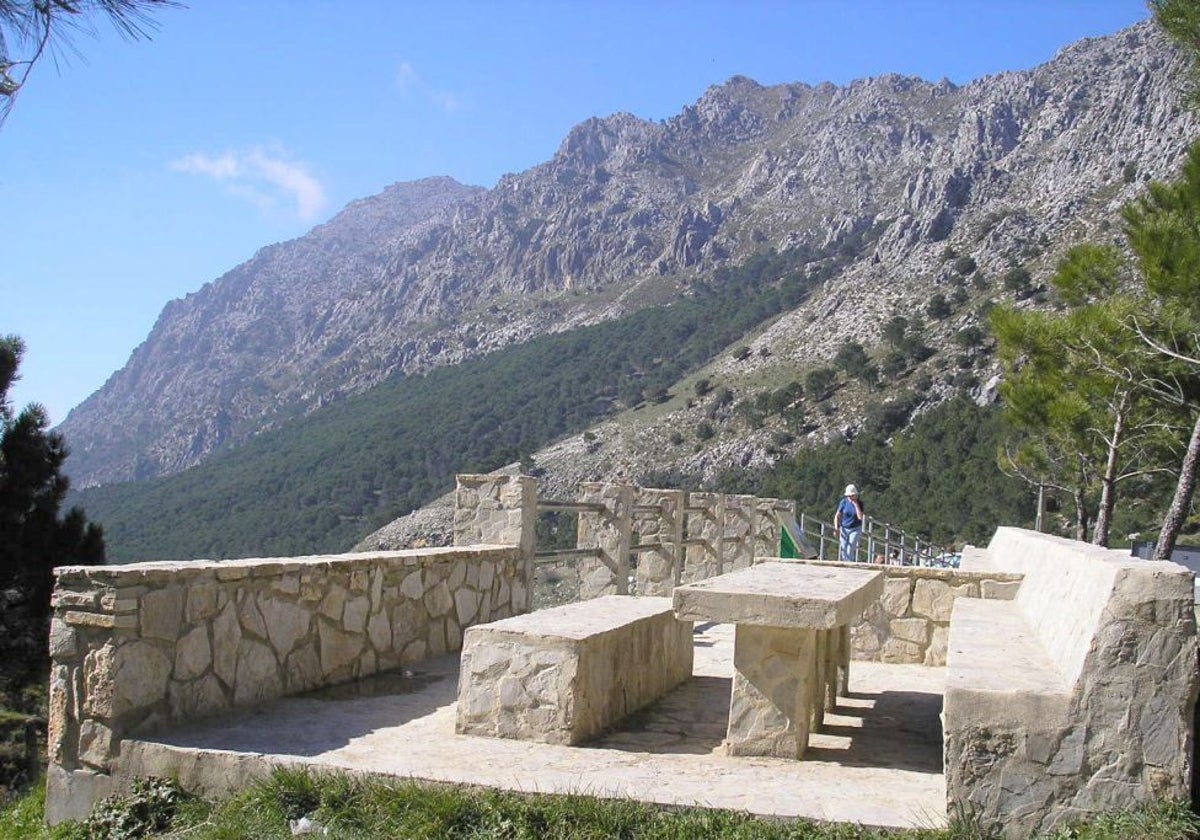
x=366, y=808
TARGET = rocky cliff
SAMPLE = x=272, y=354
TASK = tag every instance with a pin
x=1009, y=169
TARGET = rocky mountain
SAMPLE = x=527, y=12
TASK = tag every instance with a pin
x=1008, y=170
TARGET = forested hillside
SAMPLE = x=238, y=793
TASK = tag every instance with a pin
x=324, y=482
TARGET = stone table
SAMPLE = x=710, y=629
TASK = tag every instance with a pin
x=791, y=652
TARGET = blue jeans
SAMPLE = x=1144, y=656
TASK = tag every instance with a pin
x=849, y=543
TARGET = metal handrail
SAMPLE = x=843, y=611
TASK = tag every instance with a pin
x=893, y=544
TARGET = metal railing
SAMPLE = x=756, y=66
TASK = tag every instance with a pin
x=879, y=540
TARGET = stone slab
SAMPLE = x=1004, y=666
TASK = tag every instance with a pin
x=781, y=595
x=998, y=674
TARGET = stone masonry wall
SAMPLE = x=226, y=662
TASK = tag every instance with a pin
x=658, y=569
x=140, y=646
x=705, y=530
x=739, y=536
x=910, y=624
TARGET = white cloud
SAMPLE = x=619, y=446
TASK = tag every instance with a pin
x=410, y=83
x=265, y=177
x=406, y=77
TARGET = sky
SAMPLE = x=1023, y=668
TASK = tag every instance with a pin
x=132, y=173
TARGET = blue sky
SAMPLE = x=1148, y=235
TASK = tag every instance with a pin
x=134, y=173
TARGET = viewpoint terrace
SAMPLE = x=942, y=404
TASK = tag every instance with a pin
x=1067, y=669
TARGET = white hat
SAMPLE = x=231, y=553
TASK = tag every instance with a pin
x=851, y=490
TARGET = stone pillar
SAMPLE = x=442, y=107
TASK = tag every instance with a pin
x=610, y=531
x=658, y=569
x=705, y=521
x=500, y=510
x=767, y=528
x=737, y=541
x=844, y=650
x=774, y=679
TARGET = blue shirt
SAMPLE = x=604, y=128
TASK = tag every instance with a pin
x=848, y=515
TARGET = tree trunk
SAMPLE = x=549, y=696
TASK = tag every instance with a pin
x=1081, y=515
x=1108, y=480
x=1178, y=511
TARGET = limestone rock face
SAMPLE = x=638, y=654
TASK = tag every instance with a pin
x=629, y=212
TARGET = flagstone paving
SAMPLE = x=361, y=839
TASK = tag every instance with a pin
x=877, y=760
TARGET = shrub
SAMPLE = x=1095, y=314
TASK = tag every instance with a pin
x=150, y=807
x=819, y=383
x=1016, y=279
x=938, y=307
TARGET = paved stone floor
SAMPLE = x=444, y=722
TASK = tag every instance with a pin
x=877, y=761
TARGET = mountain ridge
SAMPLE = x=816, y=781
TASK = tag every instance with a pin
x=629, y=213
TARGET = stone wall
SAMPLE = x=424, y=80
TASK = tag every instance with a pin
x=137, y=647
x=630, y=540
x=739, y=538
x=609, y=532
x=704, y=527
x=496, y=509
x=910, y=624
x=658, y=569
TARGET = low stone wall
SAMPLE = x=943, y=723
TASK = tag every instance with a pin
x=140, y=646
x=910, y=623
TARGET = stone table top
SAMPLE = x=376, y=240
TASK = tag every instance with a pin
x=781, y=595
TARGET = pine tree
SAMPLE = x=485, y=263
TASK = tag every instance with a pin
x=29, y=29
x=34, y=538
x=1075, y=388
x=1163, y=228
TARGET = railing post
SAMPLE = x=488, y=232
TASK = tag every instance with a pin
x=705, y=526
x=611, y=533
x=658, y=569
x=767, y=529
x=500, y=509
x=738, y=532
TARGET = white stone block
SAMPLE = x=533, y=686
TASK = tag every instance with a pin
x=565, y=674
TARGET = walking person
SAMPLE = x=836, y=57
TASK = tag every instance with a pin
x=848, y=522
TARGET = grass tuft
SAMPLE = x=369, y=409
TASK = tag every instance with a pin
x=357, y=808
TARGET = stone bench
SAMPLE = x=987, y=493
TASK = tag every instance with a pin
x=566, y=674
x=1076, y=696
